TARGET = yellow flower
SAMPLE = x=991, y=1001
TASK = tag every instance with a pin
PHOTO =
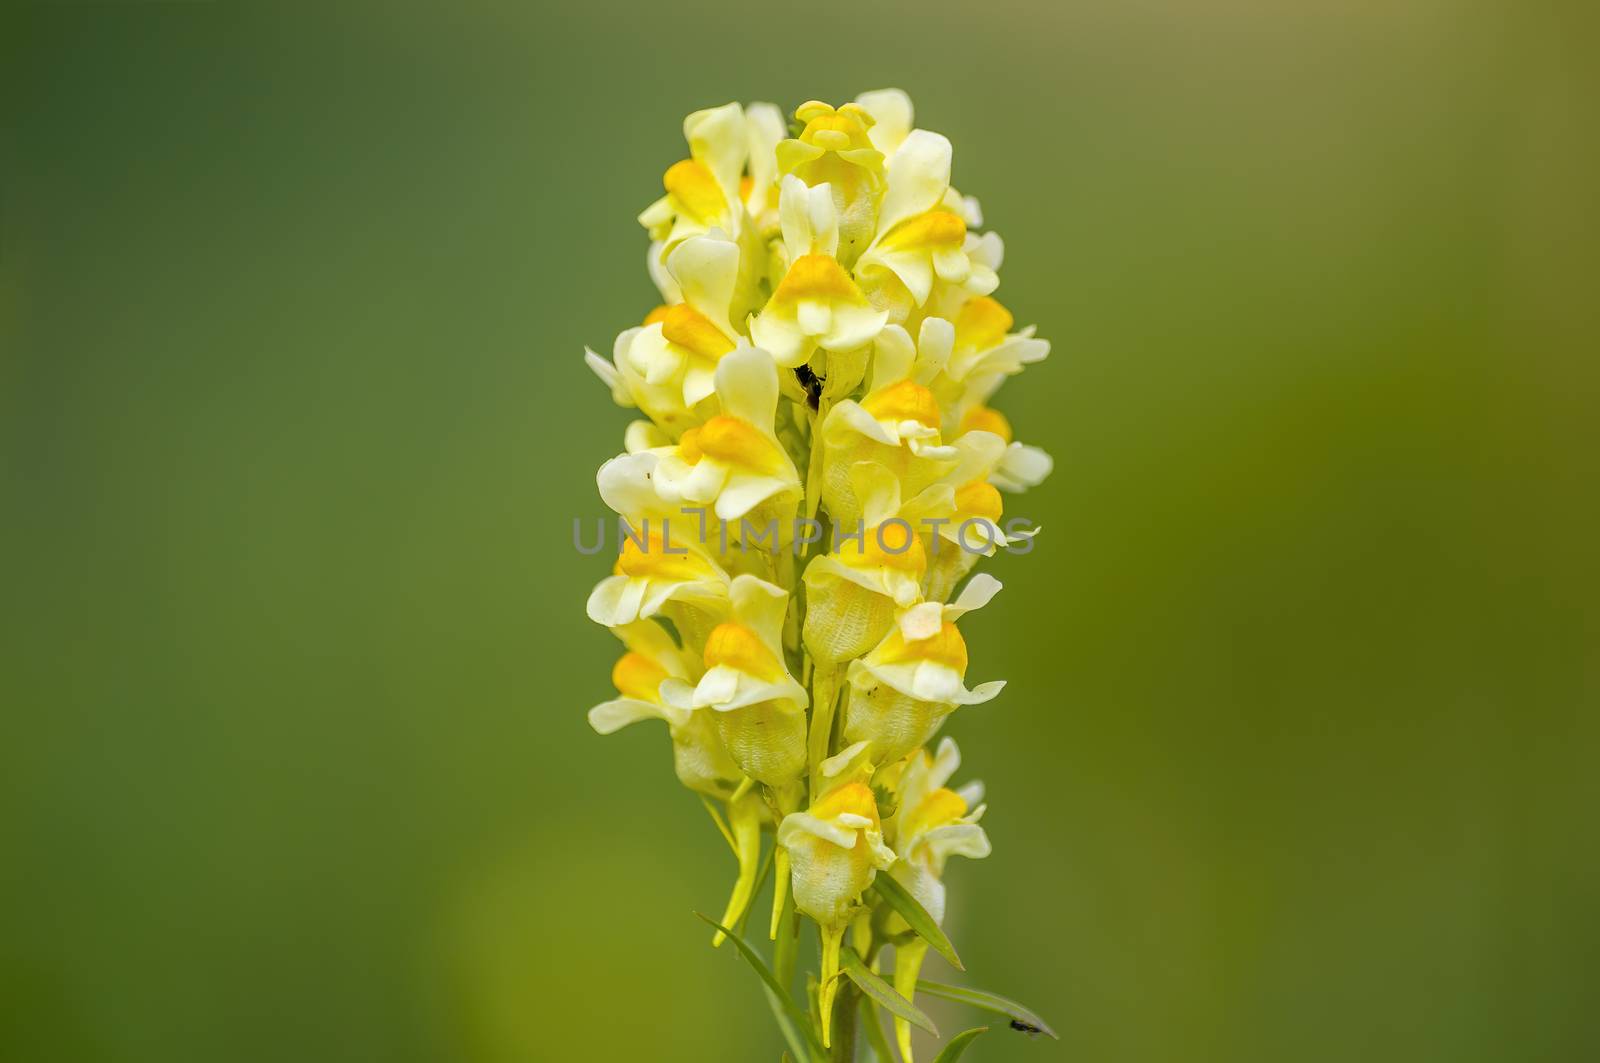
x=734, y=461
x=969, y=528
x=852, y=594
x=985, y=353
x=660, y=561
x=835, y=848
x=662, y=402
x=835, y=151
x=817, y=303
x=915, y=677
x=703, y=190
x=931, y=824
x=701, y=762
x=896, y=424
x=682, y=344
x=607, y=370
x=921, y=235
x=759, y=706
x=1019, y=466
x=699, y=757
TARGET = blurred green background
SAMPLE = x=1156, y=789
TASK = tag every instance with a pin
x=1298, y=759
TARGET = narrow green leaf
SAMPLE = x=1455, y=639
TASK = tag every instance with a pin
x=783, y=1004
x=958, y=1045
x=785, y=1026
x=875, y=1037
x=1017, y=1013
x=916, y=916
x=882, y=992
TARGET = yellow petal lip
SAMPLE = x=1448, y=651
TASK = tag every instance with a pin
x=986, y=419
x=852, y=798
x=979, y=499
x=899, y=549
x=946, y=647
x=905, y=400
x=817, y=276
x=812, y=109
x=688, y=328
x=741, y=649
x=695, y=188
x=939, y=808
x=982, y=323
x=658, y=314
x=735, y=442
x=834, y=129
x=652, y=560
x=935, y=229
x=637, y=676
x=849, y=115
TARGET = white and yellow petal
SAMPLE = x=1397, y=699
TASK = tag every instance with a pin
x=1021, y=467
x=925, y=657
x=892, y=115
x=744, y=655
x=984, y=344
x=764, y=131
x=610, y=375
x=702, y=191
x=898, y=408
x=972, y=524
x=700, y=760
x=660, y=559
x=734, y=461
x=817, y=303
x=758, y=706
x=680, y=344
x=919, y=237
x=641, y=436
x=835, y=847
x=835, y=149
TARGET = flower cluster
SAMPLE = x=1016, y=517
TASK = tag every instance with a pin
x=826, y=350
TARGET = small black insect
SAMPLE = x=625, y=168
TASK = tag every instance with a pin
x=1022, y=1027
x=811, y=382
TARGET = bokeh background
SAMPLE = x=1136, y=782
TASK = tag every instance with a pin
x=1298, y=759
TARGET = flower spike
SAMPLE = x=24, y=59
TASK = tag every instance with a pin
x=813, y=466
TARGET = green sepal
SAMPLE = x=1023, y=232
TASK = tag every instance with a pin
x=916, y=916
x=882, y=992
x=958, y=1045
x=978, y=998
